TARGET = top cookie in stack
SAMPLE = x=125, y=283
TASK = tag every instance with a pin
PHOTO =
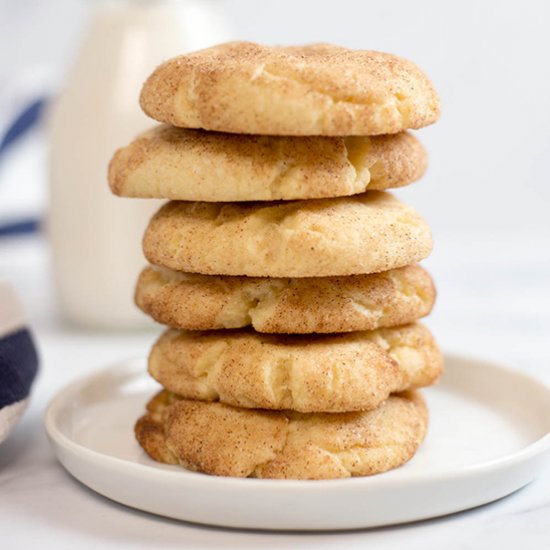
x=316, y=90
x=288, y=151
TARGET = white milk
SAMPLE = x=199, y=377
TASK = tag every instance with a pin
x=95, y=236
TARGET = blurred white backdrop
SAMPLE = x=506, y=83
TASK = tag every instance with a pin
x=490, y=150
x=486, y=194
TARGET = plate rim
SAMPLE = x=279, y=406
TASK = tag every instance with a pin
x=58, y=438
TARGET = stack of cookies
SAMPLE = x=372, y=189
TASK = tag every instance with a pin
x=287, y=277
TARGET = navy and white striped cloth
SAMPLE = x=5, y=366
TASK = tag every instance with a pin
x=18, y=360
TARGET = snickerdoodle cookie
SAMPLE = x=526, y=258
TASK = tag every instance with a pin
x=192, y=301
x=365, y=233
x=330, y=373
x=195, y=165
x=319, y=89
x=227, y=441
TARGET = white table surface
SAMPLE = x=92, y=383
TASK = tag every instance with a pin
x=494, y=303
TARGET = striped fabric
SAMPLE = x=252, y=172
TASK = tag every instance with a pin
x=18, y=360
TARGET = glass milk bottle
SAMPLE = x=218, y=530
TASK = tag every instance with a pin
x=96, y=237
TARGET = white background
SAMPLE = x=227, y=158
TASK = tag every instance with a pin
x=489, y=153
x=487, y=191
x=486, y=195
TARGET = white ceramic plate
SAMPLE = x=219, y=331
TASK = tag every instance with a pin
x=489, y=434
